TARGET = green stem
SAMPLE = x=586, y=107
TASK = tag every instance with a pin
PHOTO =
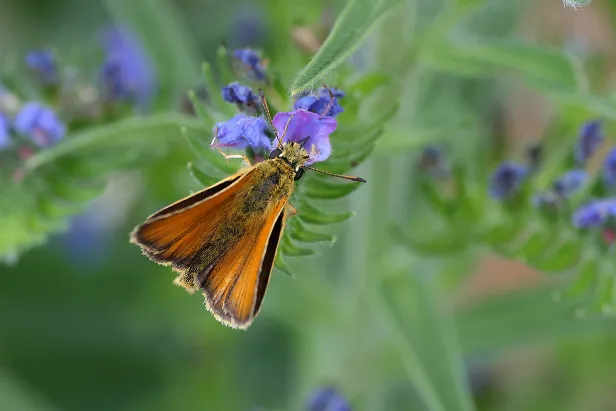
x=410, y=358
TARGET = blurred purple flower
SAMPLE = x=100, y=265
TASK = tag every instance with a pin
x=127, y=73
x=252, y=63
x=40, y=123
x=248, y=27
x=570, y=182
x=321, y=103
x=87, y=240
x=242, y=131
x=307, y=124
x=239, y=94
x=43, y=63
x=609, y=169
x=431, y=162
x=327, y=399
x=5, y=136
x=506, y=180
x=591, y=137
x=595, y=213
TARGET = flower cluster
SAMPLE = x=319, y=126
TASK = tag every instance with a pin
x=313, y=115
x=507, y=180
x=324, y=102
x=32, y=124
x=126, y=78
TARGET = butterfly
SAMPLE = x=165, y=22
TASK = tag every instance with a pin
x=223, y=240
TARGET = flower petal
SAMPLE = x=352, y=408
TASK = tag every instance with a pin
x=307, y=124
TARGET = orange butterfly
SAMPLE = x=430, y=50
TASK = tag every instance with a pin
x=223, y=240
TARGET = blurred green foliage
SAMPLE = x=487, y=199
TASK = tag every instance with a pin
x=380, y=313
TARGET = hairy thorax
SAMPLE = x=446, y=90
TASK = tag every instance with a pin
x=273, y=184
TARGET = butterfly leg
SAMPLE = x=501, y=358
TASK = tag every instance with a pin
x=291, y=211
x=245, y=160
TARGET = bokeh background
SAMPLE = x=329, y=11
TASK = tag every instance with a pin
x=88, y=323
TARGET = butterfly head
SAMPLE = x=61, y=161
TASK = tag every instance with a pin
x=294, y=154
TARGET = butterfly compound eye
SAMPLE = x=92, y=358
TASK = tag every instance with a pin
x=276, y=153
x=298, y=174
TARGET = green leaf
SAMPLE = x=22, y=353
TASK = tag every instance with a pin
x=351, y=27
x=313, y=215
x=544, y=67
x=202, y=178
x=290, y=249
x=17, y=395
x=492, y=325
x=210, y=162
x=319, y=188
x=122, y=133
x=60, y=181
x=426, y=338
x=282, y=265
x=565, y=255
x=302, y=233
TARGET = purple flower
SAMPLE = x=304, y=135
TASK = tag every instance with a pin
x=591, y=137
x=5, y=136
x=307, y=124
x=242, y=131
x=40, y=123
x=321, y=103
x=609, y=169
x=239, y=94
x=506, y=180
x=127, y=73
x=252, y=63
x=570, y=182
x=327, y=399
x=43, y=63
x=595, y=213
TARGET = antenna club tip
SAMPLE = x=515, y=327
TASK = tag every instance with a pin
x=360, y=180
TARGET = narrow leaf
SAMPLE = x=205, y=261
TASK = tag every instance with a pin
x=155, y=127
x=351, y=27
x=315, y=216
x=301, y=233
x=320, y=188
x=290, y=249
x=543, y=66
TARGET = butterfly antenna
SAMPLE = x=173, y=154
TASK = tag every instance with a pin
x=269, y=117
x=331, y=101
x=358, y=179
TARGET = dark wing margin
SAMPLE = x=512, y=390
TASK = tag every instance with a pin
x=198, y=196
x=268, y=260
